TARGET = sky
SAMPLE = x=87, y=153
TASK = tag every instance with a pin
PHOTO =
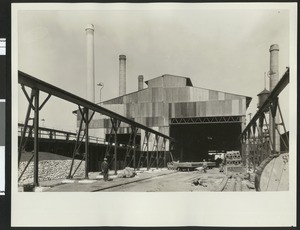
x=224, y=49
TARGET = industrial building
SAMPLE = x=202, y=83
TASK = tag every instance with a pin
x=200, y=120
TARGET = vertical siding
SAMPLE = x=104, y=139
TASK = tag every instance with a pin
x=213, y=95
x=221, y=96
x=228, y=107
x=156, y=82
x=170, y=81
x=235, y=107
x=200, y=94
x=200, y=109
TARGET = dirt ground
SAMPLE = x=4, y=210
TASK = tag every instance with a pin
x=154, y=180
x=176, y=182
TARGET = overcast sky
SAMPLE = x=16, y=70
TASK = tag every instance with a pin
x=223, y=49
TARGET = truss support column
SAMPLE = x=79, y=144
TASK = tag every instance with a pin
x=157, y=159
x=165, y=160
x=147, y=155
x=23, y=131
x=36, y=137
x=86, y=143
x=274, y=120
x=134, y=130
x=115, y=124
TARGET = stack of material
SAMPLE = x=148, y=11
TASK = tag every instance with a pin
x=127, y=173
x=233, y=162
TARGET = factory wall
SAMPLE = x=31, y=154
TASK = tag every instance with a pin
x=170, y=97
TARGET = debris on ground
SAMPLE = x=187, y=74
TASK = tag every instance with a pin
x=250, y=185
x=127, y=173
x=199, y=182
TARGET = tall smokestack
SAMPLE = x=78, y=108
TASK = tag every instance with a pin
x=140, y=82
x=90, y=80
x=122, y=75
x=274, y=78
x=274, y=65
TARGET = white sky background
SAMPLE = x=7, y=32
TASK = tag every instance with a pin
x=221, y=49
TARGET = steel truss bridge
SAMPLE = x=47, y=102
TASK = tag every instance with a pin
x=87, y=110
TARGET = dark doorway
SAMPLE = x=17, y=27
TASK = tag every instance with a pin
x=193, y=141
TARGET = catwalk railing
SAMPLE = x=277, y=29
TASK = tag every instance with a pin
x=87, y=110
x=258, y=139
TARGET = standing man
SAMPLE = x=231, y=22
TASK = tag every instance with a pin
x=104, y=167
x=204, y=165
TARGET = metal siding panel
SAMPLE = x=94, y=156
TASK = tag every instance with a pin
x=235, y=107
x=228, y=107
x=240, y=106
x=184, y=112
x=175, y=95
x=173, y=110
x=213, y=95
x=221, y=96
x=128, y=110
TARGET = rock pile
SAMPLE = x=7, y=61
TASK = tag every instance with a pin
x=127, y=173
x=50, y=170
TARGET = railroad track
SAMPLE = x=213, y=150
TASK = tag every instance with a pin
x=232, y=183
x=132, y=182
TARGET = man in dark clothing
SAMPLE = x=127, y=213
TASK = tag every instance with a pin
x=104, y=167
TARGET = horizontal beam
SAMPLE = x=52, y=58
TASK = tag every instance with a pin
x=32, y=82
x=283, y=82
x=206, y=120
x=50, y=130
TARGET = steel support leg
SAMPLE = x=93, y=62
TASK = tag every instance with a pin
x=23, y=133
x=36, y=137
x=157, y=138
x=134, y=130
x=86, y=143
x=75, y=147
x=115, y=124
x=147, y=155
x=165, y=160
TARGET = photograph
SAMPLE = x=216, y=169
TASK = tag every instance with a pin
x=126, y=105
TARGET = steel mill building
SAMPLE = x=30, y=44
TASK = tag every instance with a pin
x=200, y=120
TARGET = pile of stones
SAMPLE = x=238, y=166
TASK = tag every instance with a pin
x=50, y=170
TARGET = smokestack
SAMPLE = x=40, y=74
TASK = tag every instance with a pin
x=140, y=82
x=90, y=80
x=274, y=78
x=274, y=65
x=122, y=75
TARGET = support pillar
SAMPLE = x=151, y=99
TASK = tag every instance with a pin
x=115, y=126
x=86, y=143
x=165, y=160
x=157, y=159
x=35, y=93
x=147, y=155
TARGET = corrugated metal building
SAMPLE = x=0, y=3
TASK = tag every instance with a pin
x=199, y=119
